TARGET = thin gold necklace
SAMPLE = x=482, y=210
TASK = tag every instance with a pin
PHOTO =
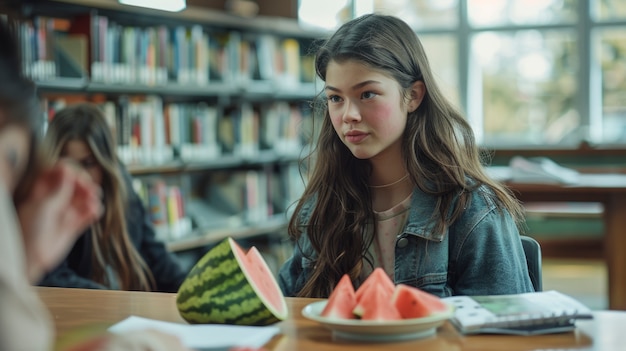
x=390, y=184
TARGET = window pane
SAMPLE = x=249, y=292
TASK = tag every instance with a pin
x=422, y=13
x=327, y=14
x=442, y=51
x=609, y=9
x=526, y=81
x=507, y=12
x=611, y=55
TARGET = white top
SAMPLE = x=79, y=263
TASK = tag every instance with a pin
x=389, y=225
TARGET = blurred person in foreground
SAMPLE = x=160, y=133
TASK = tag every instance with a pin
x=43, y=209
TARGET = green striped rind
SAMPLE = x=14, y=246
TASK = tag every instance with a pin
x=217, y=291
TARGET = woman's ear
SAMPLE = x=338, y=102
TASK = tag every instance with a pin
x=418, y=90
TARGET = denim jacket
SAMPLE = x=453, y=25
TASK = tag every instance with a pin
x=480, y=254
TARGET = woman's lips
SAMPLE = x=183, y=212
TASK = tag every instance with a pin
x=355, y=137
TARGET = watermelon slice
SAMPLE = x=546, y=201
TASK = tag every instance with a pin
x=378, y=278
x=412, y=302
x=230, y=286
x=341, y=301
x=376, y=306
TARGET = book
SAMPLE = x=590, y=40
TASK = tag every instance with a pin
x=71, y=51
x=534, y=313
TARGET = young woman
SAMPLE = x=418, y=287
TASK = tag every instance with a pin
x=398, y=181
x=120, y=251
x=43, y=209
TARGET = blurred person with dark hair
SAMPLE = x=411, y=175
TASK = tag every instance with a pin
x=120, y=250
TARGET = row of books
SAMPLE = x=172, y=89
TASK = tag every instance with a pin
x=227, y=199
x=254, y=194
x=165, y=206
x=149, y=131
x=110, y=52
x=36, y=38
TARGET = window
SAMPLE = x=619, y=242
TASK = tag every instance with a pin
x=442, y=51
x=525, y=84
x=419, y=14
x=609, y=9
x=527, y=72
x=327, y=14
x=482, y=13
x=610, y=56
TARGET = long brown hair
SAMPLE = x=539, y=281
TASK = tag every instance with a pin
x=438, y=148
x=111, y=243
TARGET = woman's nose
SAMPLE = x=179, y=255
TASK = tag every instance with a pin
x=351, y=113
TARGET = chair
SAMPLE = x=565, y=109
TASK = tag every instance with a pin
x=532, y=250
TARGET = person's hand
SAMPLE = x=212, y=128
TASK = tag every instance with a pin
x=62, y=203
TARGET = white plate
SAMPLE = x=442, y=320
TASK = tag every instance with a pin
x=356, y=329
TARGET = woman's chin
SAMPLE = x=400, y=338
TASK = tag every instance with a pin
x=362, y=154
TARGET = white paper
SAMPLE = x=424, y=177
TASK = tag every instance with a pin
x=534, y=170
x=202, y=336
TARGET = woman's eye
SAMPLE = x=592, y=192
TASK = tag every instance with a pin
x=88, y=163
x=368, y=95
x=334, y=98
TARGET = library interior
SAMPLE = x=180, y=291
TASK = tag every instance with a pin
x=210, y=108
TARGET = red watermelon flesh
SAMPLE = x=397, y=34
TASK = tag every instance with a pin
x=377, y=278
x=258, y=273
x=412, y=302
x=374, y=291
x=341, y=301
x=377, y=306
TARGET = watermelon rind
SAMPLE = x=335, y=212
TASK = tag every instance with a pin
x=217, y=290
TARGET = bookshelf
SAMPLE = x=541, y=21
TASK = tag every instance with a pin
x=272, y=225
x=200, y=102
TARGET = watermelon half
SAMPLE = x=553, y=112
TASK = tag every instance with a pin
x=230, y=286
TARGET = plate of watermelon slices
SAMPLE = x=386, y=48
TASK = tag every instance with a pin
x=377, y=331
x=379, y=310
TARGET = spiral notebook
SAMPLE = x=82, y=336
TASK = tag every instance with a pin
x=533, y=313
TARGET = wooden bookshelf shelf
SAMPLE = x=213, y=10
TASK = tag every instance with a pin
x=62, y=84
x=170, y=167
x=200, y=238
x=255, y=91
x=191, y=91
x=223, y=162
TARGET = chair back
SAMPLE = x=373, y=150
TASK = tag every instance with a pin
x=532, y=250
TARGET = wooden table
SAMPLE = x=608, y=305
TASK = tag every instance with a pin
x=608, y=189
x=72, y=308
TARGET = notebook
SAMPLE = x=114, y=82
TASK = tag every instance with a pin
x=533, y=313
